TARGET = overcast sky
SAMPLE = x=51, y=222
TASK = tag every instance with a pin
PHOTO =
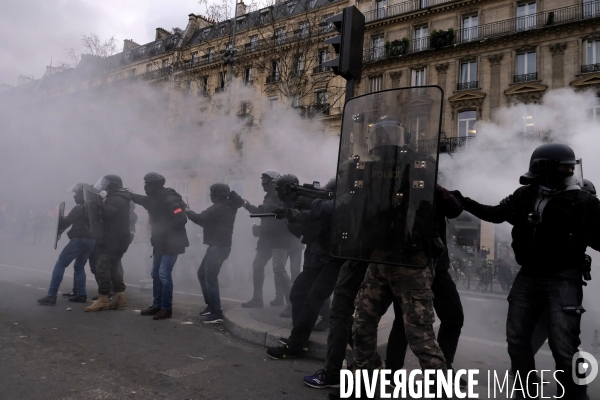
x=33, y=31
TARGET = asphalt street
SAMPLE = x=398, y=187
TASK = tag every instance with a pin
x=48, y=352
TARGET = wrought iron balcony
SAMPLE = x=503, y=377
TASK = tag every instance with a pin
x=522, y=139
x=454, y=144
x=273, y=78
x=585, y=69
x=558, y=16
x=320, y=68
x=402, y=8
x=467, y=85
x=220, y=89
x=159, y=73
x=526, y=77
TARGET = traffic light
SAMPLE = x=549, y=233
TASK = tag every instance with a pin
x=350, y=23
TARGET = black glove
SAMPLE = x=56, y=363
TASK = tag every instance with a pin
x=458, y=195
x=280, y=213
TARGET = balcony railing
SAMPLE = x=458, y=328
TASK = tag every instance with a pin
x=454, y=144
x=273, y=78
x=248, y=82
x=467, y=85
x=320, y=68
x=526, y=77
x=402, y=8
x=563, y=15
x=159, y=73
x=585, y=69
x=457, y=144
x=220, y=89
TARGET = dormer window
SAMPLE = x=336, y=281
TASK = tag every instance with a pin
x=157, y=45
x=290, y=7
x=142, y=50
x=205, y=33
x=127, y=55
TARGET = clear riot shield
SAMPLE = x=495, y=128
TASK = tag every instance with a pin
x=387, y=168
x=92, y=204
x=61, y=215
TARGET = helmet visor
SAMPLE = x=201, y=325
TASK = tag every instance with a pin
x=386, y=133
x=102, y=184
x=75, y=188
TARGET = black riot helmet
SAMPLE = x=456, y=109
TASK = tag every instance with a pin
x=283, y=185
x=387, y=131
x=554, y=166
x=268, y=178
x=153, y=182
x=330, y=185
x=219, y=192
x=77, y=190
x=589, y=187
x=108, y=183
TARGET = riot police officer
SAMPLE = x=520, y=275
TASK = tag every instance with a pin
x=554, y=221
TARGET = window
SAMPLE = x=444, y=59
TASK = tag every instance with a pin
x=466, y=123
x=525, y=120
x=526, y=67
x=424, y=3
x=418, y=77
x=157, y=45
x=264, y=15
x=595, y=111
x=591, y=8
x=142, y=51
x=290, y=7
x=304, y=28
x=148, y=67
x=322, y=97
x=326, y=26
x=299, y=64
x=228, y=45
x=469, y=31
x=248, y=76
x=182, y=187
x=592, y=52
x=323, y=56
x=253, y=43
x=468, y=75
x=194, y=58
x=421, y=38
x=211, y=55
x=380, y=7
x=279, y=35
x=312, y=3
x=222, y=78
x=378, y=48
x=204, y=85
x=205, y=33
x=222, y=29
x=165, y=63
x=273, y=101
x=296, y=100
x=132, y=72
x=275, y=70
x=526, y=18
x=127, y=55
x=375, y=83
x=245, y=107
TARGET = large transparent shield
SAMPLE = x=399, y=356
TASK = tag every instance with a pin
x=92, y=203
x=61, y=215
x=387, y=167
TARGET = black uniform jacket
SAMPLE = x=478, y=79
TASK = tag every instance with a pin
x=167, y=221
x=570, y=223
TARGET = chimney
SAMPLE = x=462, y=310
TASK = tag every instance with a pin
x=240, y=9
x=161, y=33
x=129, y=44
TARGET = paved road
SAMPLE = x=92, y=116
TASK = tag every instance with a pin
x=52, y=353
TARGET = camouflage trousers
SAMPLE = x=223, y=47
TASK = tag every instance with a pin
x=411, y=287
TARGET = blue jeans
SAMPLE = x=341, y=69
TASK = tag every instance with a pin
x=162, y=281
x=78, y=249
x=527, y=299
x=208, y=275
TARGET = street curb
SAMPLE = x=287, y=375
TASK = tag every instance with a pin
x=240, y=324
